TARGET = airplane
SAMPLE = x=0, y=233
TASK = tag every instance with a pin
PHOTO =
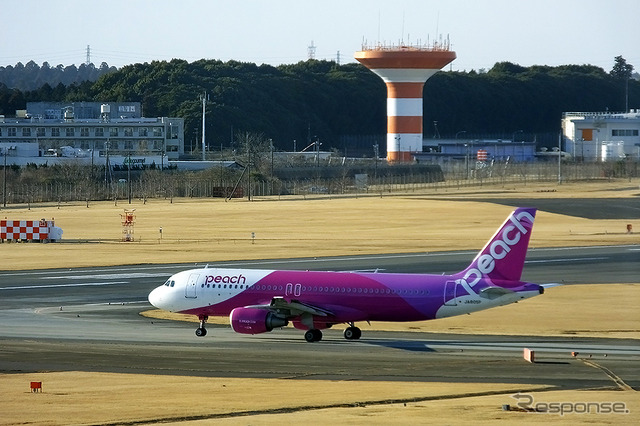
x=258, y=301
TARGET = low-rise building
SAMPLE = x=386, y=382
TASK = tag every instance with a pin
x=92, y=130
x=447, y=150
x=602, y=136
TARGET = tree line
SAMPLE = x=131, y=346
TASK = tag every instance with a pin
x=32, y=76
x=338, y=104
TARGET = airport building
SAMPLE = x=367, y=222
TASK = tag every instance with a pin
x=444, y=151
x=93, y=131
x=602, y=136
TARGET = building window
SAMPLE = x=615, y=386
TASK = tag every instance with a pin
x=11, y=132
x=173, y=132
x=0, y=131
x=128, y=131
x=55, y=132
x=143, y=131
x=624, y=132
x=99, y=132
x=113, y=131
x=26, y=132
x=84, y=132
x=128, y=145
x=70, y=132
x=157, y=131
x=40, y=132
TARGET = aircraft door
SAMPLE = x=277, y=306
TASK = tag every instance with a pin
x=450, y=293
x=190, y=289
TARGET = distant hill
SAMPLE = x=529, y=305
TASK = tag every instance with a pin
x=33, y=76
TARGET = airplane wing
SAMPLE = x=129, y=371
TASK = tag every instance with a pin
x=292, y=308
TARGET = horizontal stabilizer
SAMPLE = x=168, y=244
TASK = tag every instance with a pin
x=549, y=285
x=494, y=292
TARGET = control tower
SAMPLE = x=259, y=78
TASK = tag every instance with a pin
x=405, y=69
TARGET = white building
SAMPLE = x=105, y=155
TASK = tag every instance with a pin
x=602, y=136
x=90, y=130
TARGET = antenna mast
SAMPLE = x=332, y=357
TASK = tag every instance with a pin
x=311, y=50
x=88, y=61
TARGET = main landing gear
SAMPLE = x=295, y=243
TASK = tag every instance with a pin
x=201, y=331
x=352, y=332
x=313, y=335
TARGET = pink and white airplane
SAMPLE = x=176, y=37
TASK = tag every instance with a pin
x=258, y=301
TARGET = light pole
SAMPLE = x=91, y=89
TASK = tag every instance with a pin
x=4, y=181
x=376, y=154
x=466, y=160
x=129, y=177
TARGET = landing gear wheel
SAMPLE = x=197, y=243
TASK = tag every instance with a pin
x=313, y=335
x=201, y=331
x=352, y=333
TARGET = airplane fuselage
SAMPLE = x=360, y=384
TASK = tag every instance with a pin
x=348, y=296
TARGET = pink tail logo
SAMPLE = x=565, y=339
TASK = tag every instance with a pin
x=503, y=256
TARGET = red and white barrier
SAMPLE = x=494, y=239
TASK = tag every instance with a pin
x=29, y=230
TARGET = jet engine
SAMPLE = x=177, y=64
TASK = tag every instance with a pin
x=255, y=321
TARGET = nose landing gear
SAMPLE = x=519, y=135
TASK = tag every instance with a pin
x=202, y=331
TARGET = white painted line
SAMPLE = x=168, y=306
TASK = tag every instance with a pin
x=578, y=259
x=35, y=287
x=106, y=276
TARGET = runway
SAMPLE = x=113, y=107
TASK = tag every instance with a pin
x=88, y=319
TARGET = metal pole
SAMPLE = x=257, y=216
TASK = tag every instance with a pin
x=560, y=158
x=4, y=182
x=129, y=177
x=204, y=105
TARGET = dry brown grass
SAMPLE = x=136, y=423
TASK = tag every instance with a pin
x=89, y=398
x=212, y=230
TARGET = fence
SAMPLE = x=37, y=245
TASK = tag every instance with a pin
x=455, y=175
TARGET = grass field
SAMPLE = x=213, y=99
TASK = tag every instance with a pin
x=212, y=230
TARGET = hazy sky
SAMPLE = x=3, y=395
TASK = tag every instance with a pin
x=482, y=32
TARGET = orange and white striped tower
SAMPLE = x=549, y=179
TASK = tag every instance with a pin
x=405, y=69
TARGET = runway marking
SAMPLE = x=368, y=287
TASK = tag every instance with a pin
x=575, y=259
x=35, y=287
x=107, y=276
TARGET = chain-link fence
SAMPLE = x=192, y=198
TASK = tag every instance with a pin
x=157, y=184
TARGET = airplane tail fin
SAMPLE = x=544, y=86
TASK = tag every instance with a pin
x=502, y=258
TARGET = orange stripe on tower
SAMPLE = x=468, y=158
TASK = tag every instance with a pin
x=400, y=156
x=404, y=90
x=404, y=124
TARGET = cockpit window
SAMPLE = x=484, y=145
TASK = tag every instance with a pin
x=173, y=283
x=167, y=283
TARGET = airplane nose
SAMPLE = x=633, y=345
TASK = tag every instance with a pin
x=155, y=297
